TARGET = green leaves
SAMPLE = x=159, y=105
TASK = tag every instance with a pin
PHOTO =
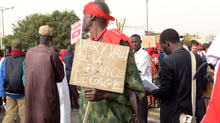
x=27, y=29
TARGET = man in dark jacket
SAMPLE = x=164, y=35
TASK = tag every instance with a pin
x=68, y=60
x=11, y=82
x=175, y=88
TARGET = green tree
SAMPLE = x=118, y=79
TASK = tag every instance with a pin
x=187, y=38
x=61, y=23
x=27, y=29
x=7, y=40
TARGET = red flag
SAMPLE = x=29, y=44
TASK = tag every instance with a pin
x=213, y=112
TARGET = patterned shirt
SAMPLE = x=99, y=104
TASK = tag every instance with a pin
x=116, y=109
x=154, y=69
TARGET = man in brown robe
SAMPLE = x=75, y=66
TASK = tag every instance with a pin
x=43, y=69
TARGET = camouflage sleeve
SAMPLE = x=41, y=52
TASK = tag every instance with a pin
x=132, y=80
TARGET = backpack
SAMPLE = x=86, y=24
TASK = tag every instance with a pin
x=13, y=74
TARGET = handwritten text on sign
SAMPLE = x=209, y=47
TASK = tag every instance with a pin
x=99, y=65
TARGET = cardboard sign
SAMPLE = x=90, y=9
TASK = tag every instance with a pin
x=99, y=65
x=76, y=31
x=158, y=39
x=148, y=41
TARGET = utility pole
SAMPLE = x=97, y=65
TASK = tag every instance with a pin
x=3, y=9
x=147, y=15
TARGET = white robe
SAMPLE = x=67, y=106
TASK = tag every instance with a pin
x=65, y=107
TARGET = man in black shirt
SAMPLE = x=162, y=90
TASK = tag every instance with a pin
x=175, y=89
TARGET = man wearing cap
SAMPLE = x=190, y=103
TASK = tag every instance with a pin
x=11, y=85
x=43, y=69
x=109, y=107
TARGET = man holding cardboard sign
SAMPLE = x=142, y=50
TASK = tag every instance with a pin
x=106, y=106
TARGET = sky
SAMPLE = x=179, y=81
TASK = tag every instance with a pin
x=200, y=17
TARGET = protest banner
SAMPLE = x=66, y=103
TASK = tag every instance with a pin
x=99, y=65
x=148, y=41
x=76, y=32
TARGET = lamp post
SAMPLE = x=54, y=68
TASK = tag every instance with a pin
x=147, y=15
x=3, y=9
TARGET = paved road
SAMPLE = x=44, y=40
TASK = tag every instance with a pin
x=153, y=116
x=2, y=113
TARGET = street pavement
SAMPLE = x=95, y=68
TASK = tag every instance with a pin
x=153, y=116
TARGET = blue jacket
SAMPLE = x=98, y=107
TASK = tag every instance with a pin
x=2, y=78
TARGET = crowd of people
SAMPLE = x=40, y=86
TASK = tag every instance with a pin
x=36, y=84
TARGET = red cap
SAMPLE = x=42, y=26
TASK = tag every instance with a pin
x=158, y=47
x=199, y=47
x=150, y=51
x=62, y=53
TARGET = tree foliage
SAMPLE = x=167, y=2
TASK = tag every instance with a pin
x=188, y=37
x=7, y=40
x=61, y=23
x=27, y=28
